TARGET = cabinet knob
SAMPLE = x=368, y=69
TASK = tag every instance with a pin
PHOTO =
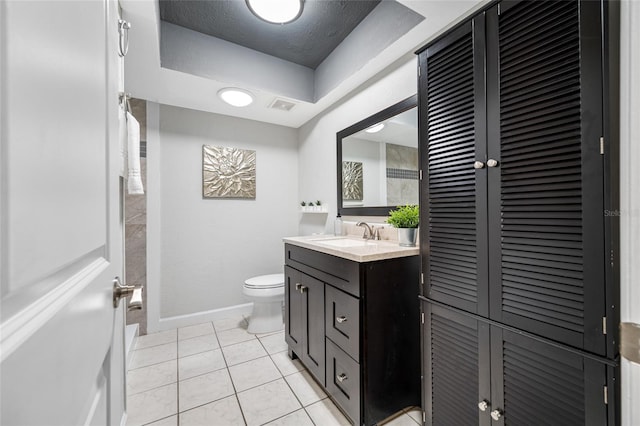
x=341, y=377
x=341, y=319
x=496, y=415
x=303, y=288
x=483, y=405
x=492, y=163
x=298, y=285
x=478, y=165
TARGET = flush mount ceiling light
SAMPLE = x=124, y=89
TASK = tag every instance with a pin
x=375, y=128
x=236, y=97
x=276, y=11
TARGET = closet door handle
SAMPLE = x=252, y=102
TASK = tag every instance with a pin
x=496, y=415
x=478, y=165
x=492, y=163
x=341, y=319
x=483, y=405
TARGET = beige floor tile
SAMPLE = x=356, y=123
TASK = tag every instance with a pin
x=274, y=343
x=297, y=418
x=253, y=373
x=267, y=402
x=203, y=389
x=153, y=355
x=156, y=375
x=224, y=412
x=285, y=364
x=325, y=413
x=305, y=388
x=243, y=352
x=195, y=365
x=156, y=339
x=402, y=420
x=233, y=336
x=195, y=330
x=415, y=413
x=197, y=345
x=152, y=405
x=168, y=421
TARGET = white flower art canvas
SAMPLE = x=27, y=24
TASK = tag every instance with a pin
x=228, y=172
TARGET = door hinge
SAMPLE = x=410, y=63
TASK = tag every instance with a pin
x=418, y=70
x=606, y=395
x=498, y=9
x=422, y=317
x=630, y=341
x=601, y=145
x=424, y=417
x=421, y=278
x=421, y=174
x=604, y=325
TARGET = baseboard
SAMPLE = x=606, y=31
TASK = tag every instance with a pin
x=130, y=338
x=200, y=317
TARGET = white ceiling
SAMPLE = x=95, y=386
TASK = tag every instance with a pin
x=145, y=78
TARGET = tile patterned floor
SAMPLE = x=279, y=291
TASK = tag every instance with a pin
x=217, y=374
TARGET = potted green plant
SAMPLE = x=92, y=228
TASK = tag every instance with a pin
x=406, y=219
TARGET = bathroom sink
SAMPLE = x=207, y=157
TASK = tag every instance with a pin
x=344, y=242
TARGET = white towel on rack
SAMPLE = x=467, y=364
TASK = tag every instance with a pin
x=134, y=182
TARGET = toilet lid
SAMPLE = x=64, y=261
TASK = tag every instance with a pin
x=265, y=281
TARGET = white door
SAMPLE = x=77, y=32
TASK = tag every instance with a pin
x=61, y=340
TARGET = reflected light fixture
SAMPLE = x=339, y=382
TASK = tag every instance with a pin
x=235, y=97
x=375, y=128
x=276, y=11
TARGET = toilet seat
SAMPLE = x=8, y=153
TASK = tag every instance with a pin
x=265, y=282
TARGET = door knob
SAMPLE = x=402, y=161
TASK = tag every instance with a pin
x=496, y=415
x=478, y=165
x=492, y=163
x=121, y=290
x=483, y=405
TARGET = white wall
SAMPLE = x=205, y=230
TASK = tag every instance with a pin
x=204, y=249
x=317, y=155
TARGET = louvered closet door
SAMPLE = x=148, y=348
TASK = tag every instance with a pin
x=546, y=190
x=453, y=192
x=534, y=383
x=456, y=351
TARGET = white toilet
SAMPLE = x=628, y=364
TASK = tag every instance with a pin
x=267, y=294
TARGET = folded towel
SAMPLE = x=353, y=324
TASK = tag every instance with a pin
x=134, y=183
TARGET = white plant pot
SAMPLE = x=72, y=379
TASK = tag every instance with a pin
x=407, y=237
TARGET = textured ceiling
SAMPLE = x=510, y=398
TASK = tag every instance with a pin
x=323, y=25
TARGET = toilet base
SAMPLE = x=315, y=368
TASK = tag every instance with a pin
x=266, y=317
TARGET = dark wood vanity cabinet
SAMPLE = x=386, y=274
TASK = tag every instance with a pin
x=362, y=320
x=515, y=150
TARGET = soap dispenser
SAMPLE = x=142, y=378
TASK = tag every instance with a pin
x=337, y=225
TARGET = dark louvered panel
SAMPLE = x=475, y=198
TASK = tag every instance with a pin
x=454, y=372
x=451, y=177
x=541, y=186
x=542, y=385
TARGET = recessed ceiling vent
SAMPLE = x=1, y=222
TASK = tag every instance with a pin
x=282, y=105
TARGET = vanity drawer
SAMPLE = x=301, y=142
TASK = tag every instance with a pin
x=343, y=381
x=342, y=316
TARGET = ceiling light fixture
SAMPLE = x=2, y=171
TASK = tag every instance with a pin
x=375, y=128
x=276, y=11
x=235, y=97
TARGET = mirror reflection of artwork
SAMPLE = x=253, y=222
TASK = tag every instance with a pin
x=352, y=180
x=228, y=172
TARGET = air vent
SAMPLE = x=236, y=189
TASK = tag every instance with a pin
x=282, y=105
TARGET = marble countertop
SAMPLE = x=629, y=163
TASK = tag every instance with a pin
x=353, y=248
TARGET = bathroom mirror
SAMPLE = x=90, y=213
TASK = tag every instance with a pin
x=378, y=161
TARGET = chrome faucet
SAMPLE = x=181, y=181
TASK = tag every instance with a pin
x=368, y=232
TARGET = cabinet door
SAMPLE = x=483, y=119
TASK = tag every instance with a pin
x=456, y=368
x=535, y=383
x=294, y=327
x=453, y=138
x=546, y=221
x=313, y=344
